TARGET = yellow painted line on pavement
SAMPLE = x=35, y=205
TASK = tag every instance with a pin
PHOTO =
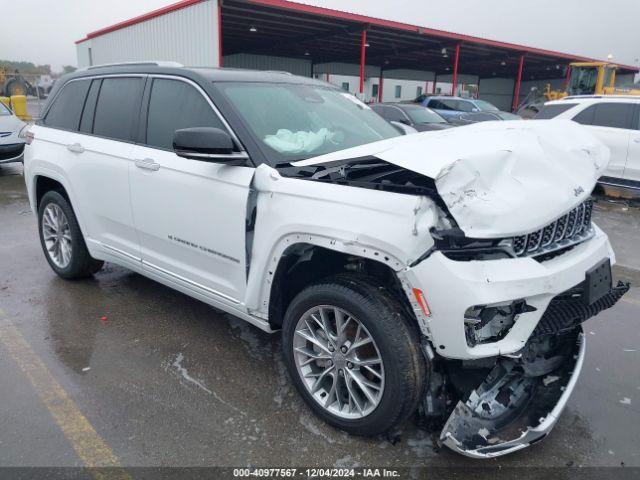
x=90, y=447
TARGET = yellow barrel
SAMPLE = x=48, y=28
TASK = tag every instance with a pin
x=19, y=104
x=6, y=101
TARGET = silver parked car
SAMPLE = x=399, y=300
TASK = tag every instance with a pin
x=11, y=145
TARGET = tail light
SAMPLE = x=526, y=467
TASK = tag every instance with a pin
x=26, y=134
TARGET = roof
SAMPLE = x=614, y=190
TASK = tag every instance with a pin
x=595, y=99
x=292, y=29
x=212, y=74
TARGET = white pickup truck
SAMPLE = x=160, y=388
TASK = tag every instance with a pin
x=447, y=272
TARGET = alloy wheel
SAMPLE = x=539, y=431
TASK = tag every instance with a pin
x=57, y=235
x=339, y=362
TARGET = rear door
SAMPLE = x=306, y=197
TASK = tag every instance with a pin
x=103, y=146
x=611, y=122
x=190, y=215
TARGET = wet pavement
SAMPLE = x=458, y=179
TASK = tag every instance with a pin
x=166, y=380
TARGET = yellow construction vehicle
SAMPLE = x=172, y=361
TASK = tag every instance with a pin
x=590, y=78
x=13, y=83
x=585, y=78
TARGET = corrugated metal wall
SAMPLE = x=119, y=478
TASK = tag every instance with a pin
x=188, y=36
x=266, y=62
x=406, y=74
x=498, y=91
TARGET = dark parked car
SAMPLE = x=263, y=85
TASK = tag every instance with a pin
x=453, y=107
x=475, y=117
x=416, y=116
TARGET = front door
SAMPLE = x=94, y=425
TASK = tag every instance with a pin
x=189, y=214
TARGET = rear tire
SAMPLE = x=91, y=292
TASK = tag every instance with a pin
x=61, y=239
x=394, y=386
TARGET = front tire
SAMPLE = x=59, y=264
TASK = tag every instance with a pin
x=61, y=239
x=353, y=354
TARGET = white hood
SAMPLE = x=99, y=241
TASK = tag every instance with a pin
x=497, y=178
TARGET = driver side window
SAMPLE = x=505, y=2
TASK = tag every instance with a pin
x=174, y=105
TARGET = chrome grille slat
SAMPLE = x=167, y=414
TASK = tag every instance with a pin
x=571, y=225
x=570, y=229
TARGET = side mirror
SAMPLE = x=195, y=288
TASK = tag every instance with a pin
x=475, y=109
x=207, y=144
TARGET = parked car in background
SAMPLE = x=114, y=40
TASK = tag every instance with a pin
x=11, y=145
x=613, y=119
x=475, y=117
x=448, y=106
x=421, y=118
x=403, y=271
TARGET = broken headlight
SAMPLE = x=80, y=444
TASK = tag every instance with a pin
x=490, y=323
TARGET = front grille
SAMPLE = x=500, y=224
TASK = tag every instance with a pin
x=568, y=230
x=568, y=310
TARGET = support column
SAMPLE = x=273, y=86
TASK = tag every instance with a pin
x=567, y=78
x=516, y=92
x=363, y=50
x=435, y=80
x=380, y=86
x=456, y=59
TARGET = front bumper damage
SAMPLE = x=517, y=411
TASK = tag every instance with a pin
x=523, y=395
x=510, y=410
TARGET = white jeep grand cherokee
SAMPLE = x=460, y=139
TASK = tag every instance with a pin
x=445, y=272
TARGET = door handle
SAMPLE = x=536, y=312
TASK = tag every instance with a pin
x=75, y=148
x=147, y=164
x=636, y=140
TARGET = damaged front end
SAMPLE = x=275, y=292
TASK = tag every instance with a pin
x=520, y=396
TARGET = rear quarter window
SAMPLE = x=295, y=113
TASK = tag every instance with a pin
x=66, y=109
x=612, y=115
x=552, y=111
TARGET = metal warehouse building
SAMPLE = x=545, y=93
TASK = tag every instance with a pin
x=381, y=60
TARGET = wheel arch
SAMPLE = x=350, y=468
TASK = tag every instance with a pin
x=45, y=181
x=304, y=260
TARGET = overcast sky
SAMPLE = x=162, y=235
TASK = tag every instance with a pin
x=44, y=31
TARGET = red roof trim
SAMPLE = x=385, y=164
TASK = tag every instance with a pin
x=354, y=17
x=141, y=18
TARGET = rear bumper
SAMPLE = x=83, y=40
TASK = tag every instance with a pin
x=11, y=153
x=472, y=429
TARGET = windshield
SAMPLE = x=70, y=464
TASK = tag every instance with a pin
x=423, y=115
x=486, y=106
x=583, y=81
x=295, y=122
x=4, y=110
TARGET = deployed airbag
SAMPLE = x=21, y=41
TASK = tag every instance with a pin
x=286, y=141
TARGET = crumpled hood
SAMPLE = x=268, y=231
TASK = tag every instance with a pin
x=497, y=178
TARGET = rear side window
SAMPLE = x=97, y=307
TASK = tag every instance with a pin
x=614, y=115
x=465, y=106
x=552, y=111
x=67, y=106
x=117, y=108
x=394, y=114
x=174, y=105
